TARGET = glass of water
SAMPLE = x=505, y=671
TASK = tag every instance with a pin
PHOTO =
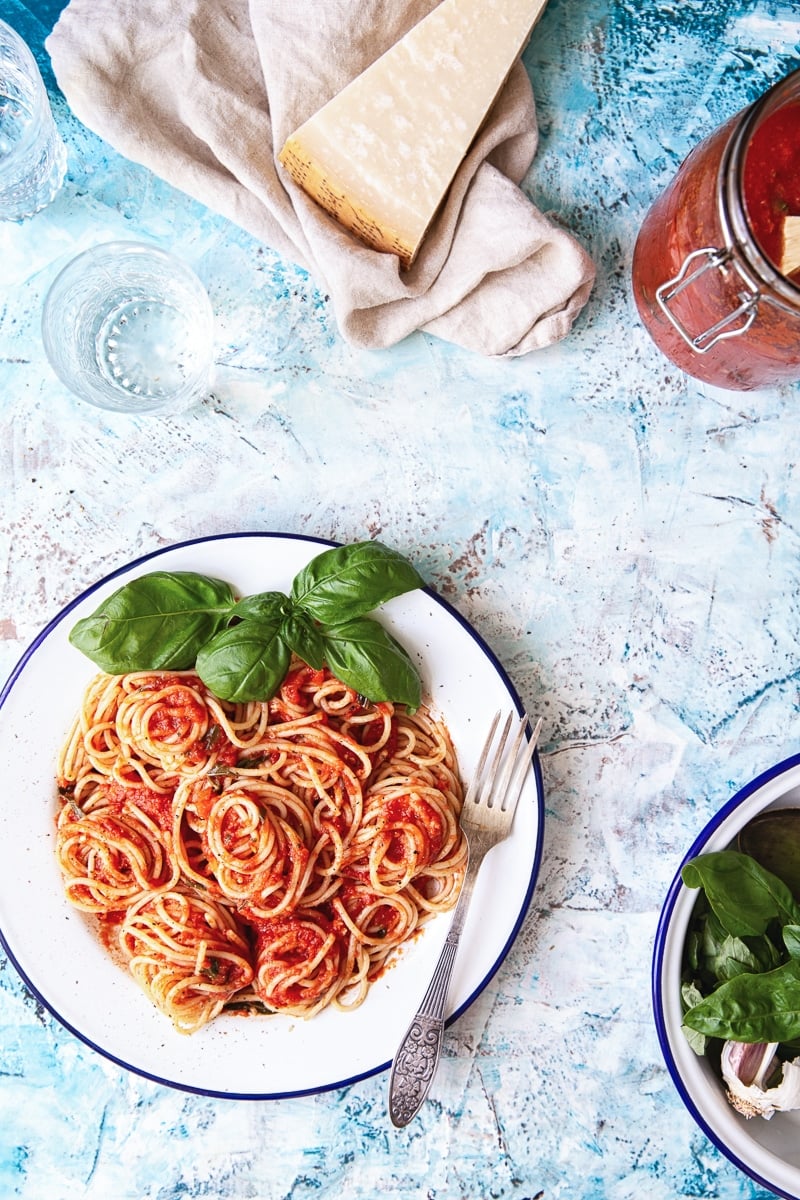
x=129, y=327
x=33, y=158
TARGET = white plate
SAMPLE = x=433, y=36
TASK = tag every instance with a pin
x=62, y=962
x=767, y=1151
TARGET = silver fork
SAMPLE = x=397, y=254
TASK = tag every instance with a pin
x=486, y=819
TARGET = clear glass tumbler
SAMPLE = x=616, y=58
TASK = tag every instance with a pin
x=33, y=158
x=129, y=327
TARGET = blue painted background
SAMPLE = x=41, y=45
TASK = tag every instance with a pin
x=624, y=538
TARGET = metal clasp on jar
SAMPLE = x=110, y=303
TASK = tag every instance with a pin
x=715, y=260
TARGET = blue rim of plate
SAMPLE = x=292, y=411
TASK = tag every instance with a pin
x=535, y=864
x=659, y=948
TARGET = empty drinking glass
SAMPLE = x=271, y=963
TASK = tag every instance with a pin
x=129, y=327
x=33, y=158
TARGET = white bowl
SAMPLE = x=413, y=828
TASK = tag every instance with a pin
x=766, y=1150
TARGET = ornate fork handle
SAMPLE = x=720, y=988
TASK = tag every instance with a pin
x=418, y=1054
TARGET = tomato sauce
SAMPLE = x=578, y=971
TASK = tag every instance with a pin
x=156, y=805
x=289, y=941
x=355, y=898
x=175, y=715
x=350, y=758
x=408, y=810
x=303, y=680
x=771, y=181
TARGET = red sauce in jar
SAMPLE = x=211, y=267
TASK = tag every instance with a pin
x=706, y=212
x=771, y=180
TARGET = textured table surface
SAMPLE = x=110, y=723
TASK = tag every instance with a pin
x=625, y=539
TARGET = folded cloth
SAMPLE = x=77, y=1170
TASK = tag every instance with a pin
x=205, y=93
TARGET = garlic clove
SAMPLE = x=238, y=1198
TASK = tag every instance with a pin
x=748, y=1067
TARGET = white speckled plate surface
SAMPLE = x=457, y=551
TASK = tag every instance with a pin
x=247, y=1057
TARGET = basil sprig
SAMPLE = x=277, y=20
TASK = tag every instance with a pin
x=178, y=620
x=741, y=967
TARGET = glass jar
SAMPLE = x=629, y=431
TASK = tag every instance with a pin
x=712, y=299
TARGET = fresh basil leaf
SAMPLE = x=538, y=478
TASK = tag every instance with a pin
x=265, y=606
x=158, y=621
x=697, y=1041
x=752, y=1008
x=303, y=636
x=690, y=996
x=692, y=950
x=717, y=955
x=370, y=661
x=744, y=896
x=347, y=582
x=791, y=940
x=246, y=662
x=734, y=957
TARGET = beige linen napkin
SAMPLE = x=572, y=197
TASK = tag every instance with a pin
x=205, y=92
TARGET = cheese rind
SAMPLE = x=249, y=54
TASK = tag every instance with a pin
x=381, y=155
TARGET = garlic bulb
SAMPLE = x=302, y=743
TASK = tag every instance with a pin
x=747, y=1069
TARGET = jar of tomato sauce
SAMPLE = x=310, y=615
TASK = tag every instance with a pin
x=709, y=275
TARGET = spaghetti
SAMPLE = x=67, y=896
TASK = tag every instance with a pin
x=263, y=855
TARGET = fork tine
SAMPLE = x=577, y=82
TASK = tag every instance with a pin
x=502, y=780
x=478, y=774
x=490, y=783
x=521, y=764
x=507, y=786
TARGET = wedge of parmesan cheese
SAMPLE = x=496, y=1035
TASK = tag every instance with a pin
x=790, y=260
x=381, y=155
